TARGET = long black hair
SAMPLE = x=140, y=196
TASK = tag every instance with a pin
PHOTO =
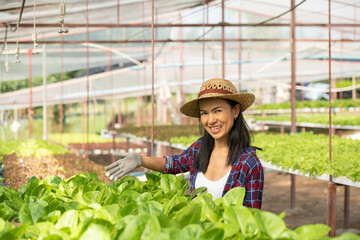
x=238, y=138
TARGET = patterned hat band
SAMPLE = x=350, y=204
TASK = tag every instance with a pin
x=217, y=88
x=214, y=90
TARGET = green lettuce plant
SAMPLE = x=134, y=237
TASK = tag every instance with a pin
x=82, y=207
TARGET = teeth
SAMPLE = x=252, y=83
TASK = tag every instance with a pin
x=215, y=128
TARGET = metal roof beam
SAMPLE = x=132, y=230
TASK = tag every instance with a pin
x=184, y=40
x=144, y=25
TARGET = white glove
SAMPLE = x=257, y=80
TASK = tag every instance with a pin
x=126, y=163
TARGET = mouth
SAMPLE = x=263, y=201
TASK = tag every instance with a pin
x=215, y=129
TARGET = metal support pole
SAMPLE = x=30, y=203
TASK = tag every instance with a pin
x=61, y=110
x=331, y=196
x=126, y=120
x=30, y=112
x=302, y=96
x=2, y=119
x=45, y=128
x=114, y=147
x=239, y=53
x=94, y=111
x=105, y=113
x=354, y=90
x=87, y=82
x=293, y=91
x=139, y=117
x=70, y=118
x=83, y=117
x=293, y=197
x=181, y=71
x=15, y=120
x=152, y=78
x=119, y=115
x=331, y=208
x=127, y=147
x=334, y=96
x=346, y=206
x=222, y=38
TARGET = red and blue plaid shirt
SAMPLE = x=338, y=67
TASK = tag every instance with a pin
x=246, y=171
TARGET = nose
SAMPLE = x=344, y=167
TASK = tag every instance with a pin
x=212, y=118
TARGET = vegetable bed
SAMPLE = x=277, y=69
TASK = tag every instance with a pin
x=306, y=152
x=83, y=207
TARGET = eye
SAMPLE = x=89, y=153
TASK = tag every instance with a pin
x=202, y=113
x=218, y=110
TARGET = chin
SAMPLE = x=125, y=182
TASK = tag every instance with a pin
x=217, y=137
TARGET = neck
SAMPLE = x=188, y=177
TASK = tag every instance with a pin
x=220, y=144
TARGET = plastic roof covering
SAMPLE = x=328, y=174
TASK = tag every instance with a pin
x=262, y=63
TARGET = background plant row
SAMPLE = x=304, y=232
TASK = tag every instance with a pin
x=306, y=152
x=345, y=103
x=343, y=120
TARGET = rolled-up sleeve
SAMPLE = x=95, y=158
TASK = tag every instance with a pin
x=181, y=163
x=254, y=187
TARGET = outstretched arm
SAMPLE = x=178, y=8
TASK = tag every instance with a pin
x=129, y=161
x=153, y=163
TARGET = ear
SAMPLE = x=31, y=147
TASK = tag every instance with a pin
x=236, y=110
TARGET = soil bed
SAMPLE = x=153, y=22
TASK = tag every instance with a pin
x=311, y=201
x=66, y=165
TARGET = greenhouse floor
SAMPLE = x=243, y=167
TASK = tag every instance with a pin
x=310, y=201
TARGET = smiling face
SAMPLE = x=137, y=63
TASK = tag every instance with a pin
x=217, y=117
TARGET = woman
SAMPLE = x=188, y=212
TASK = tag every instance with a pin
x=222, y=159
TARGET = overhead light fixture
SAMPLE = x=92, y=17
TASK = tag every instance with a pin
x=62, y=8
x=17, y=53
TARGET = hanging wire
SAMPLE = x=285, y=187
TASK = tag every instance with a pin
x=5, y=38
x=62, y=9
x=260, y=23
x=17, y=33
x=34, y=35
x=5, y=47
x=282, y=14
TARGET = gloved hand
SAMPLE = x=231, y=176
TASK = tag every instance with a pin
x=126, y=163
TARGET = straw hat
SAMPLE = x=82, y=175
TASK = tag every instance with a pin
x=217, y=88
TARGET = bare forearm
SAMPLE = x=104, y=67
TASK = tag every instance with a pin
x=153, y=163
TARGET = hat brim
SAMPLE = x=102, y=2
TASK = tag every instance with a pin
x=191, y=108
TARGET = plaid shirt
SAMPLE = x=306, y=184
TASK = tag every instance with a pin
x=246, y=172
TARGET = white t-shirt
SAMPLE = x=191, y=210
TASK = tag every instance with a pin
x=216, y=188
